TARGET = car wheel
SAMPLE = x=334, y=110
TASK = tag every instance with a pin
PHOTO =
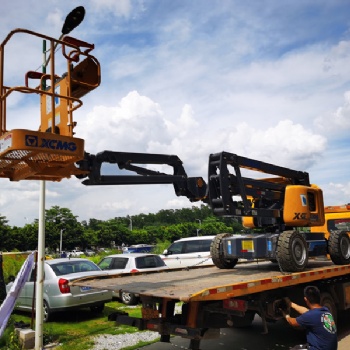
x=129, y=298
x=47, y=312
x=97, y=308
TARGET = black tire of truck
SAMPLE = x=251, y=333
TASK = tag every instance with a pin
x=129, y=298
x=216, y=255
x=242, y=322
x=292, y=253
x=328, y=302
x=339, y=247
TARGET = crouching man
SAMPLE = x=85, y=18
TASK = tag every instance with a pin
x=321, y=331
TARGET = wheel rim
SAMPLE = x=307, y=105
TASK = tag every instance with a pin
x=46, y=311
x=126, y=297
x=345, y=247
x=299, y=251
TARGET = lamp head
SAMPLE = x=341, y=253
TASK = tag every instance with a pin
x=73, y=19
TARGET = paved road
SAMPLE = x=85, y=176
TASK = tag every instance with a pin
x=280, y=337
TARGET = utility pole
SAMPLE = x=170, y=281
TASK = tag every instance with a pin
x=73, y=19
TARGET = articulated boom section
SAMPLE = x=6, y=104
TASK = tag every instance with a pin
x=266, y=200
x=50, y=150
x=193, y=188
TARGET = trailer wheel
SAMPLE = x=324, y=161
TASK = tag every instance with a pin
x=327, y=300
x=242, y=322
x=217, y=256
x=339, y=247
x=292, y=253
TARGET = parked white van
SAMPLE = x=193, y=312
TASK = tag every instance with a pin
x=190, y=251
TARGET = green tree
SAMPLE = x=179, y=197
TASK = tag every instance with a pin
x=58, y=219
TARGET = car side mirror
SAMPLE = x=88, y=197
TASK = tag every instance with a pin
x=165, y=252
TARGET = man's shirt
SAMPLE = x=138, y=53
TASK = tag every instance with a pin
x=321, y=331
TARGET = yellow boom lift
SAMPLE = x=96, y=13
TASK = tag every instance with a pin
x=276, y=209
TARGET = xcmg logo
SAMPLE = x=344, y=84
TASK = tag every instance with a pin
x=300, y=216
x=34, y=141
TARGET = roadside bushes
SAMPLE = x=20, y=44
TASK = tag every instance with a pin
x=12, y=263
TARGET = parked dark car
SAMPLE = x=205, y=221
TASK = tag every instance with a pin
x=138, y=248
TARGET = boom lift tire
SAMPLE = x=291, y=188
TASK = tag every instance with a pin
x=327, y=301
x=217, y=256
x=292, y=253
x=339, y=247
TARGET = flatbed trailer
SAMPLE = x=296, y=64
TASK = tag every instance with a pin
x=213, y=298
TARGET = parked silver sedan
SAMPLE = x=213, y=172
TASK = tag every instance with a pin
x=130, y=263
x=58, y=294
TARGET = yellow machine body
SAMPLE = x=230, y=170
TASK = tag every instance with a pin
x=336, y=218
x=303, y=206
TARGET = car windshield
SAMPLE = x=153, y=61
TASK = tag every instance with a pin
x=176, y=248
x=149, y=261
x=198, y=246
x=110, y=263
x=190, y=246
x=67, y=267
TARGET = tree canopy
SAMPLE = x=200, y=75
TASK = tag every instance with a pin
x=166, y=225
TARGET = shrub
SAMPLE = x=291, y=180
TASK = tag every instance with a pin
x=11, y=264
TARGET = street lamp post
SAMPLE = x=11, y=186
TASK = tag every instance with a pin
x=73, y=19
x=200, y=226
x=130, y=220
x=61, y=232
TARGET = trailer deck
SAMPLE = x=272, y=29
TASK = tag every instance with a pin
x=211, y=283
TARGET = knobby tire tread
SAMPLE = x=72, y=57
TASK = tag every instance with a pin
x=218, y=260
x=285, y=257
x=335, y=249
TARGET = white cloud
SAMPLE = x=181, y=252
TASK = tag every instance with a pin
x=339, y=120
x=122, y=8
x=337, y=193
x=129, y=126
x=265, y=81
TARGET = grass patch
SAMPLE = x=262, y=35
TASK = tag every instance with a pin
x=74, y=330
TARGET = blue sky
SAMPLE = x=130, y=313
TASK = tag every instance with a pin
x=265, y=79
